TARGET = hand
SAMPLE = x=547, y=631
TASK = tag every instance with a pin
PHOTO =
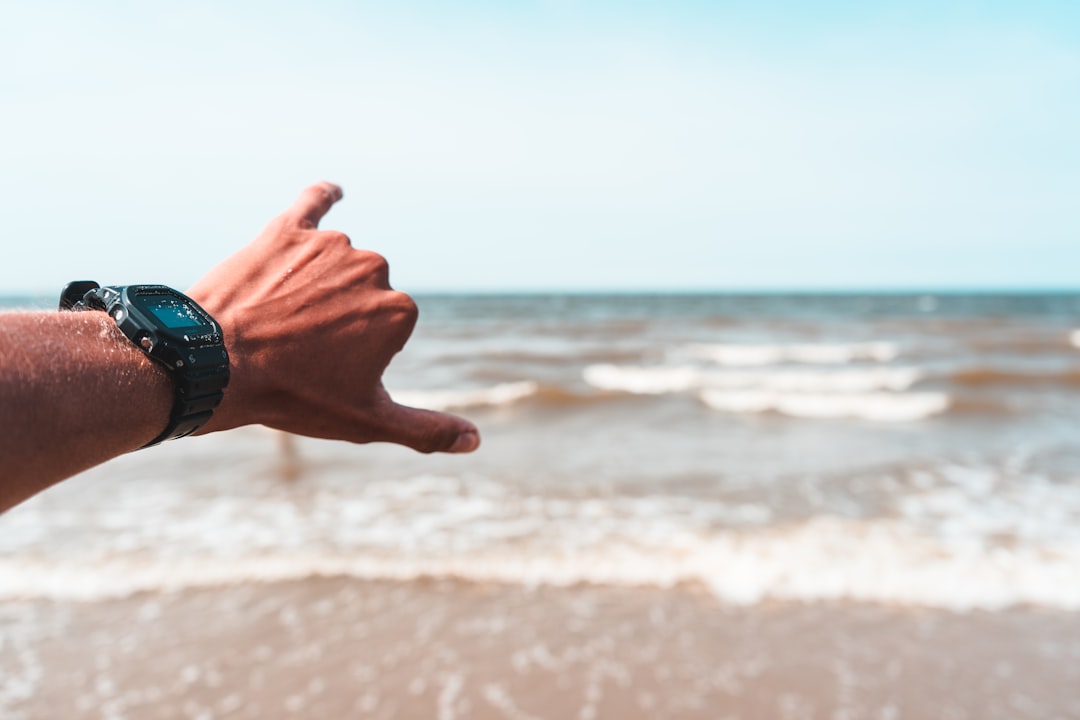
x=310, y=324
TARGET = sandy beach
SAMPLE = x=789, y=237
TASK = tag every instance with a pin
x=333, y=647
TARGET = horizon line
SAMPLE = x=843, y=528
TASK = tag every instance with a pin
x=761, y=290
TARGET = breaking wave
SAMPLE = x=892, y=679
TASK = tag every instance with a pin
x=941, y=547
x=877, y=406
x=735, y=355
x=498, y=395
x=667, y=379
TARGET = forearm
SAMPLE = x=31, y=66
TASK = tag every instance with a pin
x=74, y=392
x=310, y=324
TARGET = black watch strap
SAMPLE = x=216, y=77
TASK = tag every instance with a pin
x=197, y=394
x=153, y=317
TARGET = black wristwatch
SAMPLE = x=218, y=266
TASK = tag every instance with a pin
x=172, y=330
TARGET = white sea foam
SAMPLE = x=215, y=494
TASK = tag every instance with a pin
x=823, y=559
x=879, y=406
x=669, y=379
x=939, y=550
x=503, y=394
x=871, y=393
x=1074, y=338
x=813, y=354
x=643, y=380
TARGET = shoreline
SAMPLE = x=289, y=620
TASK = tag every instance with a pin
x=337, y=647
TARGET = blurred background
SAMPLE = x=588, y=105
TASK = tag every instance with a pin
x=551, y=145
x=768, y=314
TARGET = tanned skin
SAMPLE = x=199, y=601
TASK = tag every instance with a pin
x=310, y=324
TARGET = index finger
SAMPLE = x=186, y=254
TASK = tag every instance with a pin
x=314, y=202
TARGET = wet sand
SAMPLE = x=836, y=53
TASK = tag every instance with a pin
x=336, y=647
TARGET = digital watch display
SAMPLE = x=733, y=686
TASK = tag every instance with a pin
x=173, y=313
x=172, y=330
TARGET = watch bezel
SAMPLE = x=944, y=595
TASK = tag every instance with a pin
x=171, y=345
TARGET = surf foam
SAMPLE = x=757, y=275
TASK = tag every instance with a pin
x=942, y=548
x=671, y=379
x=502, y=394
x=736, y=355
x=824, y=559
x=877, y=406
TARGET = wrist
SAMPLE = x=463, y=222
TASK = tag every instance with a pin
x=176, y=334
x=239, y=404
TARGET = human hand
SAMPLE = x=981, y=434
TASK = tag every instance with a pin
x=310, y=324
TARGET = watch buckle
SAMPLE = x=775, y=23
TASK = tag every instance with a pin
x=74, y=292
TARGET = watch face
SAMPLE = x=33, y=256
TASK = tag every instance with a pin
x=173, y=312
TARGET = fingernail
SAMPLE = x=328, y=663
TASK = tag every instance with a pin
x=466, y=442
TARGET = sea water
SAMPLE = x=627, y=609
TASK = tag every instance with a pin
x=910, y=453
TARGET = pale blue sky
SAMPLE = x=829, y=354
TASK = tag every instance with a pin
x=550, y=145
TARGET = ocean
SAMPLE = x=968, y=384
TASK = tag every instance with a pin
x=685, y=506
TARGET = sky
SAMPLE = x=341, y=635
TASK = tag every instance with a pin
x=559, y=145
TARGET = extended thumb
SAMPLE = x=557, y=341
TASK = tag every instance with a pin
x=429, y=431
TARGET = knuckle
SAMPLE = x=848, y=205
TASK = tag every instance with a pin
x=335, y=237
x=403, y=306
x=376, y=262
x=377, y=268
